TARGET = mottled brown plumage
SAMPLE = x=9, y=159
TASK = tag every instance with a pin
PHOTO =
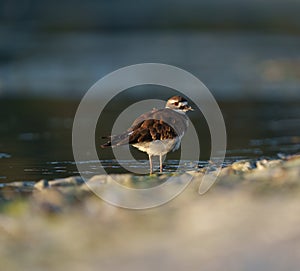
x=155, y=125
x=166, y=125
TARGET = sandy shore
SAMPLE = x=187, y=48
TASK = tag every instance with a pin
x=248, y=220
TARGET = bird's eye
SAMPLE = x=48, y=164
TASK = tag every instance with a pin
x=176, y=103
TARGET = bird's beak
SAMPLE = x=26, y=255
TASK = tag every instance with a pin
x=188, y=108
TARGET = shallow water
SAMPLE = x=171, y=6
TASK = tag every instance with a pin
x=36, y=137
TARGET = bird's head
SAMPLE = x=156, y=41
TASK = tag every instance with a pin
x=178, y=103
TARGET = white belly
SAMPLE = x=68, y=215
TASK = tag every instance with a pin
x=159, y=147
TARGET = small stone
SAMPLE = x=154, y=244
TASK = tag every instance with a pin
x=42, y=184
x=241, y=166
x=70, y=181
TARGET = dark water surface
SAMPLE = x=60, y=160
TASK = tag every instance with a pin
x=233, y=65
x=36, y=137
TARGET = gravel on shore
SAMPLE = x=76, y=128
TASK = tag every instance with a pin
x=248, y=220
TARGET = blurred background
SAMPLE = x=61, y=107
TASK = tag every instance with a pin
x=240, y=49
x=245, y=52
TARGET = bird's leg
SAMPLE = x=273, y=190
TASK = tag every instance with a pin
x=160, y=163
x=150, y=162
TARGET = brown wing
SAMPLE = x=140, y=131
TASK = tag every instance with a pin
x=150, y=130
x=154, y=125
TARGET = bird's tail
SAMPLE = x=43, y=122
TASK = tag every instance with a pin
x=107, y=144
x=116, y=140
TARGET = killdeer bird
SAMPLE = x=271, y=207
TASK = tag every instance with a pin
x=156, y=132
